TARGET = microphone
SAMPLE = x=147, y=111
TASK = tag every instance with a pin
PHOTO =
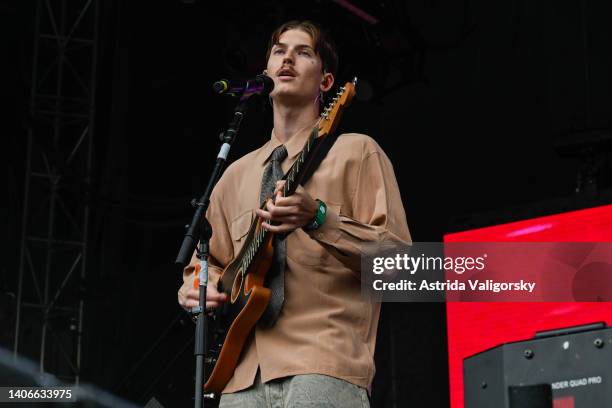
x=261, y=84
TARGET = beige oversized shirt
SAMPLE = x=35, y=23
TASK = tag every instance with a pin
x=325, y=327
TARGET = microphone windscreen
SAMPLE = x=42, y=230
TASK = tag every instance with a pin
x=267, y=82
x=221, y=86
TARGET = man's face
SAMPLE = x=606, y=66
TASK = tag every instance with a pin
x=296, y=69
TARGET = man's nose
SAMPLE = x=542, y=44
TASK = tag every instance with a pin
x=288, y=59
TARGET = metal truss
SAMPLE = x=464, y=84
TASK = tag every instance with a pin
x=53, y=254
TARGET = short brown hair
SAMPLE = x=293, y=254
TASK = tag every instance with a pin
x=323, y=44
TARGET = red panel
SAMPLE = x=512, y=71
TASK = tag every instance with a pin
x=565, y=402
x=474, y=327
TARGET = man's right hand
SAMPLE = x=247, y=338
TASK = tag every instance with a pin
x=189, y=296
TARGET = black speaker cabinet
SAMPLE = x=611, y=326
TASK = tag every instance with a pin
x=575, y=364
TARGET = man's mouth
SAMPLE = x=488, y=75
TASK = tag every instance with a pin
x=286, y=73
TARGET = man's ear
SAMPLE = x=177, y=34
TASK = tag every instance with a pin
x=265, y=72
x=327, y=82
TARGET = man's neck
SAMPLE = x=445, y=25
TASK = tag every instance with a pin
x=288, y=120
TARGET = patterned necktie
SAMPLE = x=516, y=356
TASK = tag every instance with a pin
x=275, y=279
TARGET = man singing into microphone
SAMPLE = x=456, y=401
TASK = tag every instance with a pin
x=316, y=346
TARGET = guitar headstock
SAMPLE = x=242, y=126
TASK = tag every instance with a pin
x=331, y=115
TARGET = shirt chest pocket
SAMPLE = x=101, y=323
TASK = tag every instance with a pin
x=240, y=228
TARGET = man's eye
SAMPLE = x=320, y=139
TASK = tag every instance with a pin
x=278, y=51
x=307, y=53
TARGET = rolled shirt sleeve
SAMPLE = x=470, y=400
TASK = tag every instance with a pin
x=378, y=214
x=221, y=246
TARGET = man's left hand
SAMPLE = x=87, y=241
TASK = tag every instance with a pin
x=288, y=213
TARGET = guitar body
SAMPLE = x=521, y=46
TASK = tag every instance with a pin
x=243, y=279
x=247, y=301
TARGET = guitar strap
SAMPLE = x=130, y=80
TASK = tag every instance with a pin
x=320, y=154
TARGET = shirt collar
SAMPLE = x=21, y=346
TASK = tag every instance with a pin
x=294, y=145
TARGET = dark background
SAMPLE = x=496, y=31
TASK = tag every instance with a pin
x=470, y=99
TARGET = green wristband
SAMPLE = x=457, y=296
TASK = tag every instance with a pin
x=319, y=218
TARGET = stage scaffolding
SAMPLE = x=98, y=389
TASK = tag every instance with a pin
x=56, y=206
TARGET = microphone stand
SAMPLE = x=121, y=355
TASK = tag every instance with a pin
x=200, y=230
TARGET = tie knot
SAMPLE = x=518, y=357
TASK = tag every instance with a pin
x=279, y=154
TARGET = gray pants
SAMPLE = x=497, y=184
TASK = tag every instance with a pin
x=308, y=390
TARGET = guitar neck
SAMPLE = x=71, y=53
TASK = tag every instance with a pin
x=294, y=176
x=325, y=126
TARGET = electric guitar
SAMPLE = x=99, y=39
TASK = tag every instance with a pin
x=243, y=278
